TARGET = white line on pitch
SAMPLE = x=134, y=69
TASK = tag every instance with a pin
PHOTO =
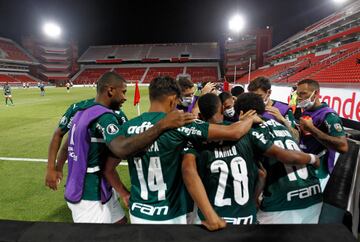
x=123, y=163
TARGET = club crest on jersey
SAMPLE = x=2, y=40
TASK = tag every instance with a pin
x=63, y=120
x=338, y=127
x=112, y=129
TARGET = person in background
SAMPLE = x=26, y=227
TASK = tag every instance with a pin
x=42, y=89
x=274, y=109
x=7, y=94
x=293, y=99
x=188, y=98
x=321, y=128
x=67, y=87
x=227, y=102
x=237, y=90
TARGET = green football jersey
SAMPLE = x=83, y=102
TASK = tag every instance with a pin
x=102, y=131
x=65, y=122
x=287, y=187
x=7, y=90
x=157, y=189
x=229, y=173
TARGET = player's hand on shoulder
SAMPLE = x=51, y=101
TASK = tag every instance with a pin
x=176, y=119
x=214, y=224
x=251, y=114
x=246, y=115
x=276, y=113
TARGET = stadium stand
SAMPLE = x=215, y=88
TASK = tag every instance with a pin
x=144, y=73
x=198, y=51
x=201, y=74
x=18, y=78
x=131, y=74
x=199, y=61
x=89, y=76
x=327, y=51
x=162, y=71
x=12, y=52
x=15, y=64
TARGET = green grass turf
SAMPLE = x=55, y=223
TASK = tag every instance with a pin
x=26, y=129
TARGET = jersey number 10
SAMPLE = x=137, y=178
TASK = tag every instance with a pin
x=301, y=170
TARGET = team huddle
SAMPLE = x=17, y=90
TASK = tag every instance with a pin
x=197, y=156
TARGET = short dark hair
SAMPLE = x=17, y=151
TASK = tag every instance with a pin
x=314, y=84
x=208, y=105
x=108, y=78
x=163, y=86
x=261, y=82
x=237, y=90
x=225, y=96
x=249, y=101
x=185, y=83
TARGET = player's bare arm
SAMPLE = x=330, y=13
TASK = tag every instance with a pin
x=51, y=178
x=197, y=192
x=113, y=178
x=292, y=157
x=230, y=132
x=276, y=113
x=123, y=147
x=339, y=143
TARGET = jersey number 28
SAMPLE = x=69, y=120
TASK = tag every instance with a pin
x=240, y=183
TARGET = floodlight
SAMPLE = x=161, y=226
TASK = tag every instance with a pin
x=52, y=30
x=340, y=1
x=237, y=23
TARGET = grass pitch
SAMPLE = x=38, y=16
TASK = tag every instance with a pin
x=26, y=129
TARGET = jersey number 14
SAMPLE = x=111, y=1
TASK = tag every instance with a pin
x=155, y=178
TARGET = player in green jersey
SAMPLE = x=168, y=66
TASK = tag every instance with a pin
x=54, y=172
x=322, y=131
x=274, y=109
x=157, y=190
x=222, y=176
x=94, y=135
x=7, y=94
x=292, y=194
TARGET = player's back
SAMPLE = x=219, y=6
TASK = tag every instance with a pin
x=287, y=187
x=157, y=189
x=229, y=174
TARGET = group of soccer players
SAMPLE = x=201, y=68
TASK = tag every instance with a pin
x=221, y=159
